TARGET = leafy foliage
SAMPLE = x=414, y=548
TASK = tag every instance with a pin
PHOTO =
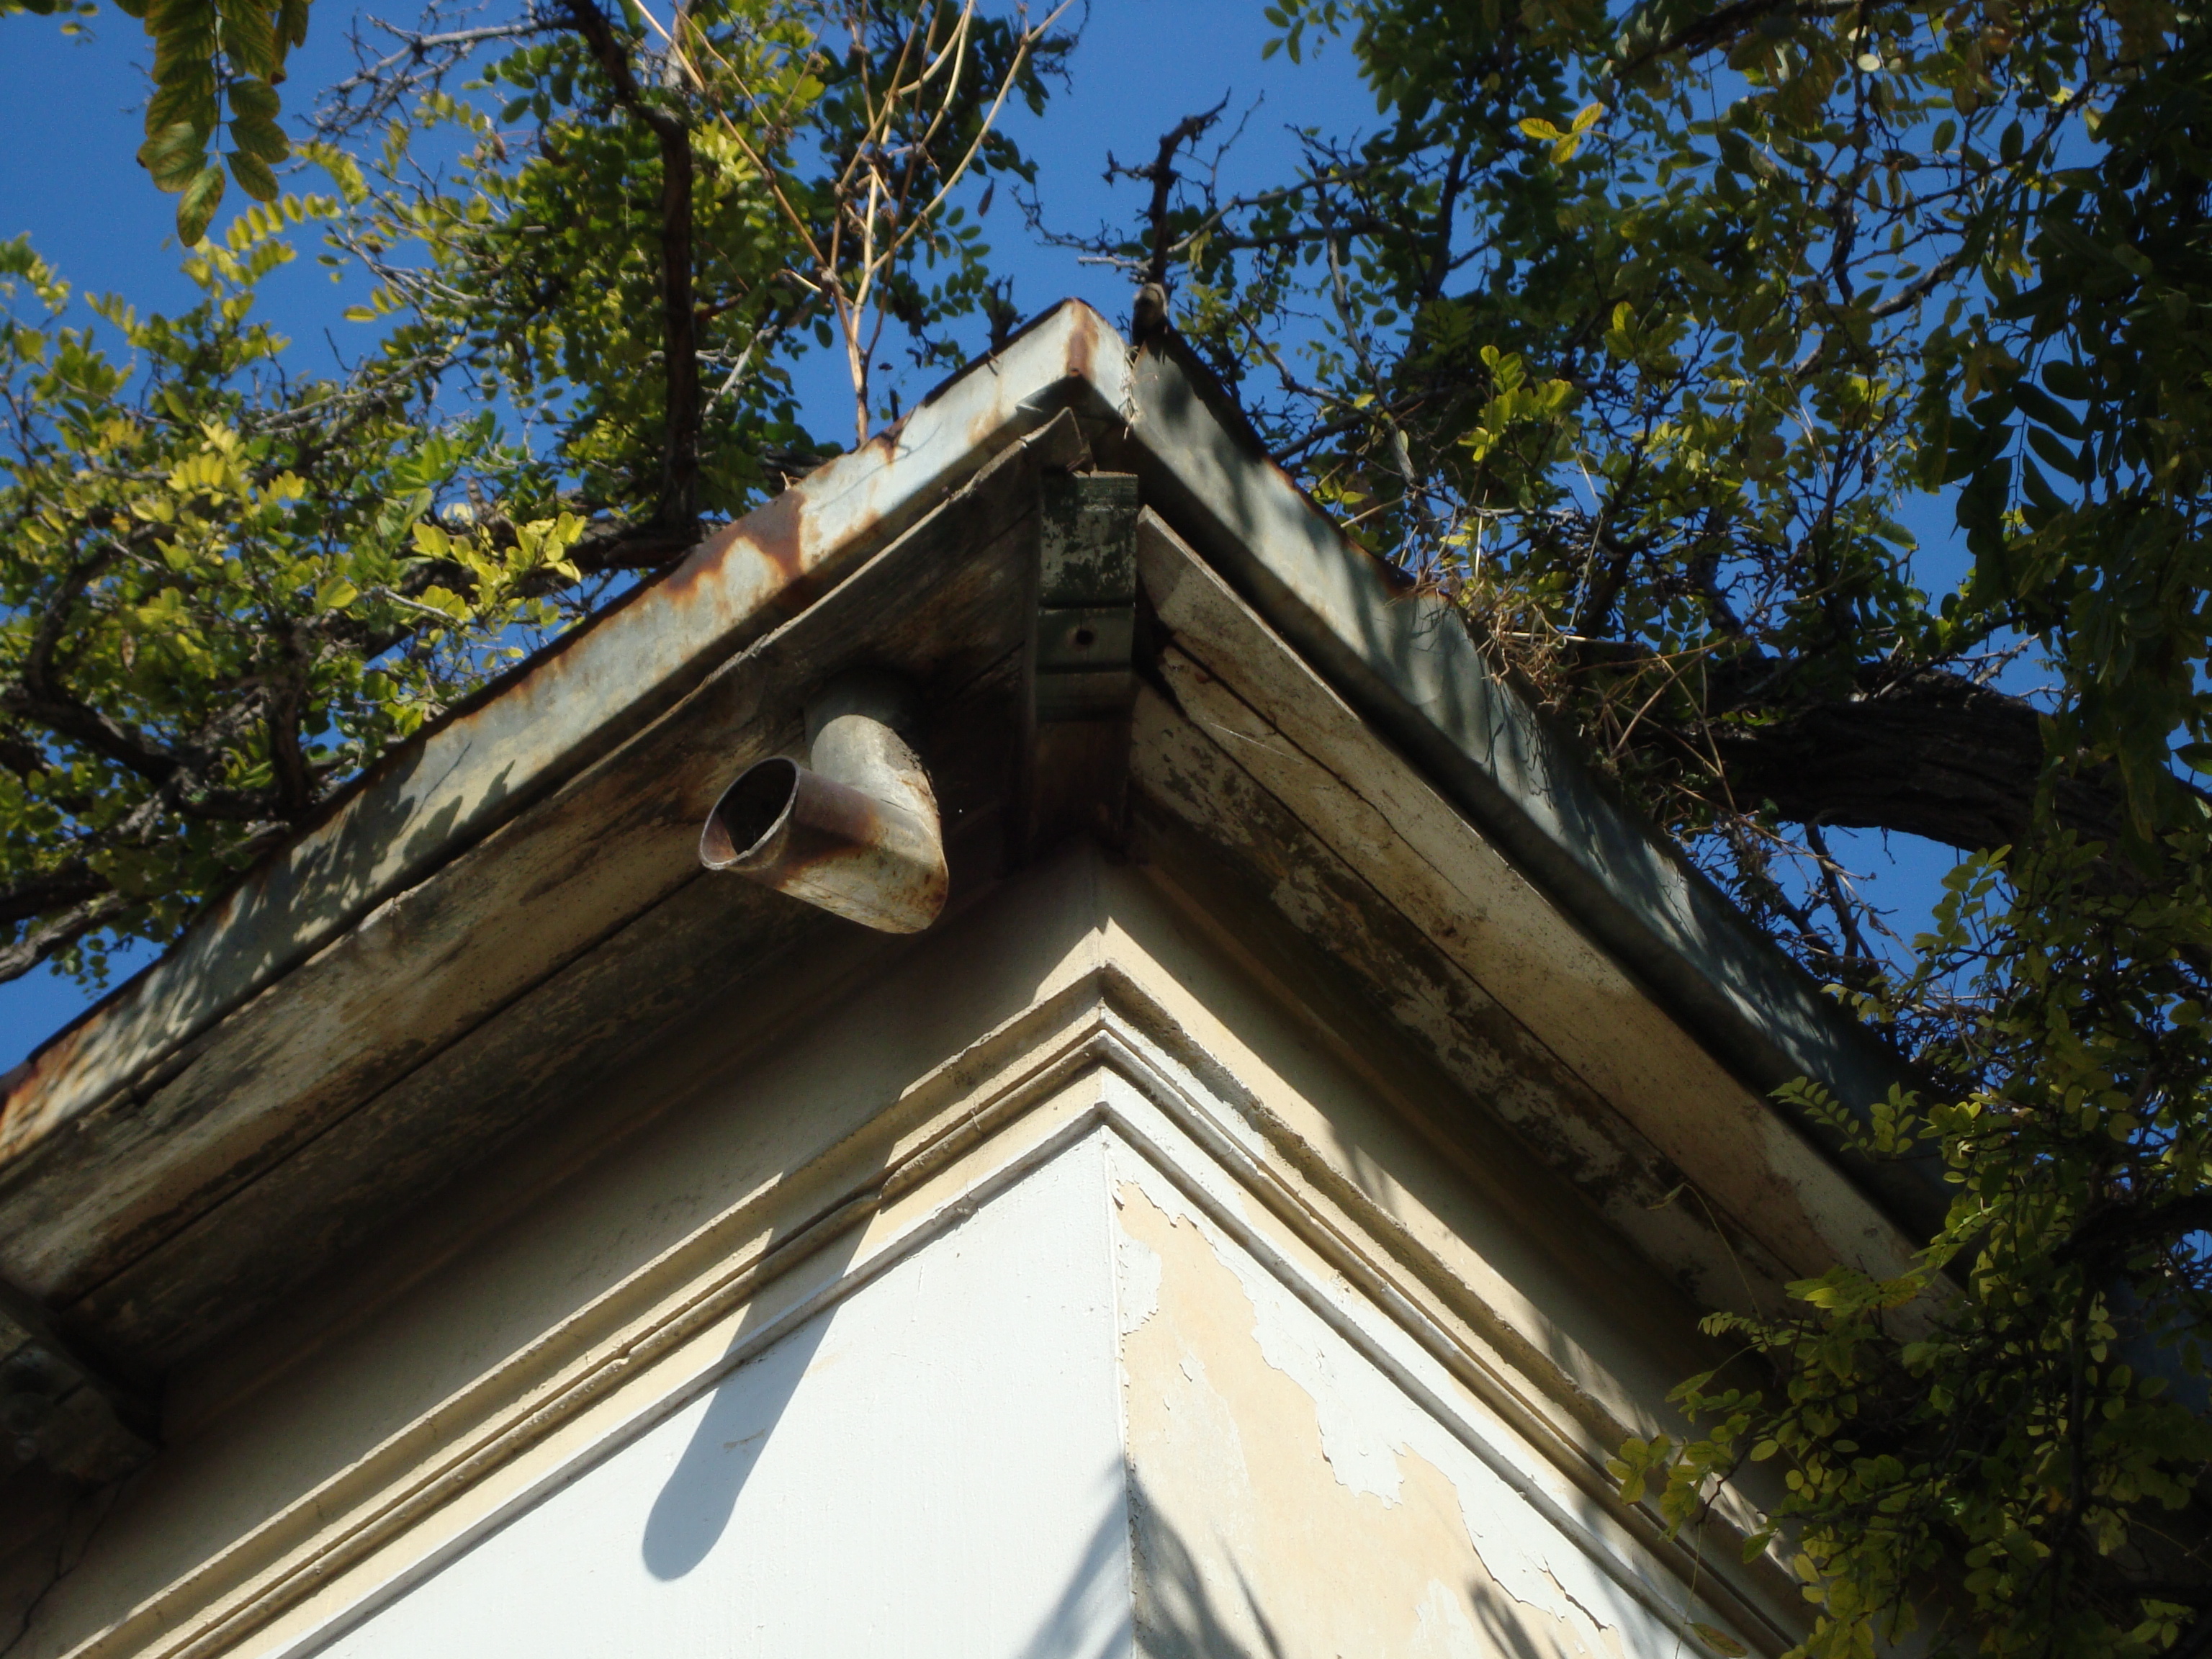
x=1645, y=335
x=228, y=587
x=216, y=65
x=2009, y=1440
x=536, y=253
x=224, y=594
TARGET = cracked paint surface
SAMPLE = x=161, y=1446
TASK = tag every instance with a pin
x=1289, y=1499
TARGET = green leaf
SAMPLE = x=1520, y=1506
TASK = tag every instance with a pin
x=185, y=103
x=2068, y=380
x=176, y=23
x=2062, y=456
x=249, y=37
x=253, y=175
x=260, y=138
x=2039, y=404
x=197, y=210
x=2037, y=488
x=175, y=156
x=252, y=99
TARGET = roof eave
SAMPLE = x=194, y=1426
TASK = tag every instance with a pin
x=431, y=798
x=1400, y=659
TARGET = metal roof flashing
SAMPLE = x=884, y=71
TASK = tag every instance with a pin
x=1402, y=661
x=1406, y=662
x=445, y=789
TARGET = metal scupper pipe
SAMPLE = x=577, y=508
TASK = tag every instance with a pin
x=856, y=831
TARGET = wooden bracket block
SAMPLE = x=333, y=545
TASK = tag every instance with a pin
x=1084, y=678
x=1086, y=596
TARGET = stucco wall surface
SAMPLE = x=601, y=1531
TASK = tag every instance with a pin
x=530, y=1439
x=1289, y=1499
x=930, y=1467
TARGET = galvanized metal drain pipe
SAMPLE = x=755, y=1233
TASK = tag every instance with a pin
x=855, y=832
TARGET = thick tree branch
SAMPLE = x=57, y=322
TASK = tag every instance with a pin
x=73, y=884
x=1930, y=754
x=67, y=717
x=40, y=943
x=678, y=509
x=2113, y=1231
x=1160, y=174
x=1723, y=25
x=296, y=782
x=37, y=698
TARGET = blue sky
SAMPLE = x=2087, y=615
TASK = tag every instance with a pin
x=70, y=126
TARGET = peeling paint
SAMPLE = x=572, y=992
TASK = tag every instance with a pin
x=1137, y=1279
x=1442, y=1627
x=1394, y=1539
x=1348, y=1400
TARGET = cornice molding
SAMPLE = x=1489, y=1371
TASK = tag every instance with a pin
x=975, y=1125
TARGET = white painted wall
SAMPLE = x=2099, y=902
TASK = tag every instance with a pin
x=932, y=1467
x=1085, y=1422
x=937, y=1466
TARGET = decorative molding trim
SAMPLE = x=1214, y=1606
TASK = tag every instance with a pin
x=1102, y=1023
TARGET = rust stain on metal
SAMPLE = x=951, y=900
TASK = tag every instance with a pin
x=1082, y=346
x=775, y=530
x=491, y=754
x=19, y=1117
x=861, y=835
x=827, y=844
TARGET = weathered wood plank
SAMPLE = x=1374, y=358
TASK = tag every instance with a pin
x=520, y=738
x=552, y=1048
x=944, y=603
x=60, y=1407
x=1187, y=772
x=376, y=1165
x=1406, y=663
x=1294, y=735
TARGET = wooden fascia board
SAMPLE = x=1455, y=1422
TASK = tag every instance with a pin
x=1407, y=665
x=1402, y=661
x=455, y=1007
x=428, y=801
x=1273, y=717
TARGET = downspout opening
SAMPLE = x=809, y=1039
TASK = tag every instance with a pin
x=749, y=812
x=856, y=833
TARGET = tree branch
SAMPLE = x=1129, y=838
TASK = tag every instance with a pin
x=2112, y=1231
x=52, y=889
x=678, y=509
x=26, y=953
x=1930, y=753
x=1161, y=174
x=67, y=717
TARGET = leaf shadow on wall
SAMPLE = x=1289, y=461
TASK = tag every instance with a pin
x=695, y=1502
x=1188, y=1607
x=1092, y=1618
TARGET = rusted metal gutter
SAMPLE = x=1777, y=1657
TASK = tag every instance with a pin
x=856, y=832
x=453, y=785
